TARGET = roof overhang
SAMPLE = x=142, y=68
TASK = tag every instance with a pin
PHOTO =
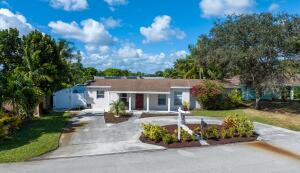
x=142, y=92
x=180, y=87
x=98, y=86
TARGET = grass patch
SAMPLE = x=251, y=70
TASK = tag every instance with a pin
x=284, y=120
x=37, y=137
x=218, y=113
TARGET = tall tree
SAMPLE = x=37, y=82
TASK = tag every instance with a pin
x=10, y=50
x=256, y=47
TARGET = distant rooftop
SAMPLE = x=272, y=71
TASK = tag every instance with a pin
x=126, y=77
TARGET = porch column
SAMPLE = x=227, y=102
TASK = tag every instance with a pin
x=129, y=102
x=147, y=102
x=169, y=103
x=108, y=97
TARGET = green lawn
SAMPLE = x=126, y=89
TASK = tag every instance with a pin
x=280, y=119
x=35, y=138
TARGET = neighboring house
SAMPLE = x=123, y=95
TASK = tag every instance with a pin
x=68, y=98
x=290, y=90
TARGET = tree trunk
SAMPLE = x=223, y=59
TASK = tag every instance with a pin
x=258, y=97
x=200, y=77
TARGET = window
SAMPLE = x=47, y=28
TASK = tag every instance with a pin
x=100, y=94
x=161, y=99
x=123, y=97
x=177, y=98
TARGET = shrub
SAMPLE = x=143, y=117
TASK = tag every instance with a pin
x=117, y=108
x=230, y=132
x=197, y=130
x=234, y=98
x=229, y=121
x=184, y=135
x=154, y=132
x=167, y=139
x=244, y=126
x=241, y=131
x=174, y=137
x=209, y=94
x=186, y=106
x=8, y=125
x=211, y=132
x=223, y=133
x=241, y=124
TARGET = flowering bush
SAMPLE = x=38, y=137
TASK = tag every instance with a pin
x=209, y=94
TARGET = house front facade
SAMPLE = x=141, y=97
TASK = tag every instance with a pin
x=141, y=94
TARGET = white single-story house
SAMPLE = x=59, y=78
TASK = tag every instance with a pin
x=138, y=93
x=141, y=94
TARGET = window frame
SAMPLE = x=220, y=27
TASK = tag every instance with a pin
x=100, y=94
x=162, y=101
x=177, y=98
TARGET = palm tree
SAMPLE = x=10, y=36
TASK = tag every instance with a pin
x=117, y=108
x=25, y=83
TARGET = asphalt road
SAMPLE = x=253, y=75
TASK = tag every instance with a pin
x=228, y=158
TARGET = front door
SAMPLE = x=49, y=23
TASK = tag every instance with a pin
x=139, y=101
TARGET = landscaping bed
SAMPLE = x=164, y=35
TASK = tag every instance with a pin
x=195, y=143
x=110, y=118
x=233, y=129
x=146, y=115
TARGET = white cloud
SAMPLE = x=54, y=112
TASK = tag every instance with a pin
x=273, y=7
x=69, y=5
x=10, y=20
x=160, y=30
x=110, y=22
x=96, y=49
x=131, y=58
x=129, y=51
x=89, y=31
x=216, y=8
x=113, y=3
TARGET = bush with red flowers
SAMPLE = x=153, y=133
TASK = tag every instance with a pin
x=209, y=94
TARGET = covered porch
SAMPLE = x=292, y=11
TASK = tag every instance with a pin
x=147, y=101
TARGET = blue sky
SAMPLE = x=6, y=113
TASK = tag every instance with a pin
x=138, y=35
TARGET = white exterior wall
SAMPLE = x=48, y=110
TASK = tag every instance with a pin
x=110, y=96
x=98, y=103
x=66, y=99
x=153, y=102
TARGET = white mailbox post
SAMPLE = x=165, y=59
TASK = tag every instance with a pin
x=181, y=123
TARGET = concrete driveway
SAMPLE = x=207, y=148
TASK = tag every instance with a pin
x=91, y=136
x=280, y=153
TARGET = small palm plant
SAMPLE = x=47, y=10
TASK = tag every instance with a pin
x=117, y=108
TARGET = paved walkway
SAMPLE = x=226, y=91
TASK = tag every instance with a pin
x=91, y=136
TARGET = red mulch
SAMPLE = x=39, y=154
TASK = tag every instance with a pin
x=182, y=144
x=146, y=115
x=110, y=118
